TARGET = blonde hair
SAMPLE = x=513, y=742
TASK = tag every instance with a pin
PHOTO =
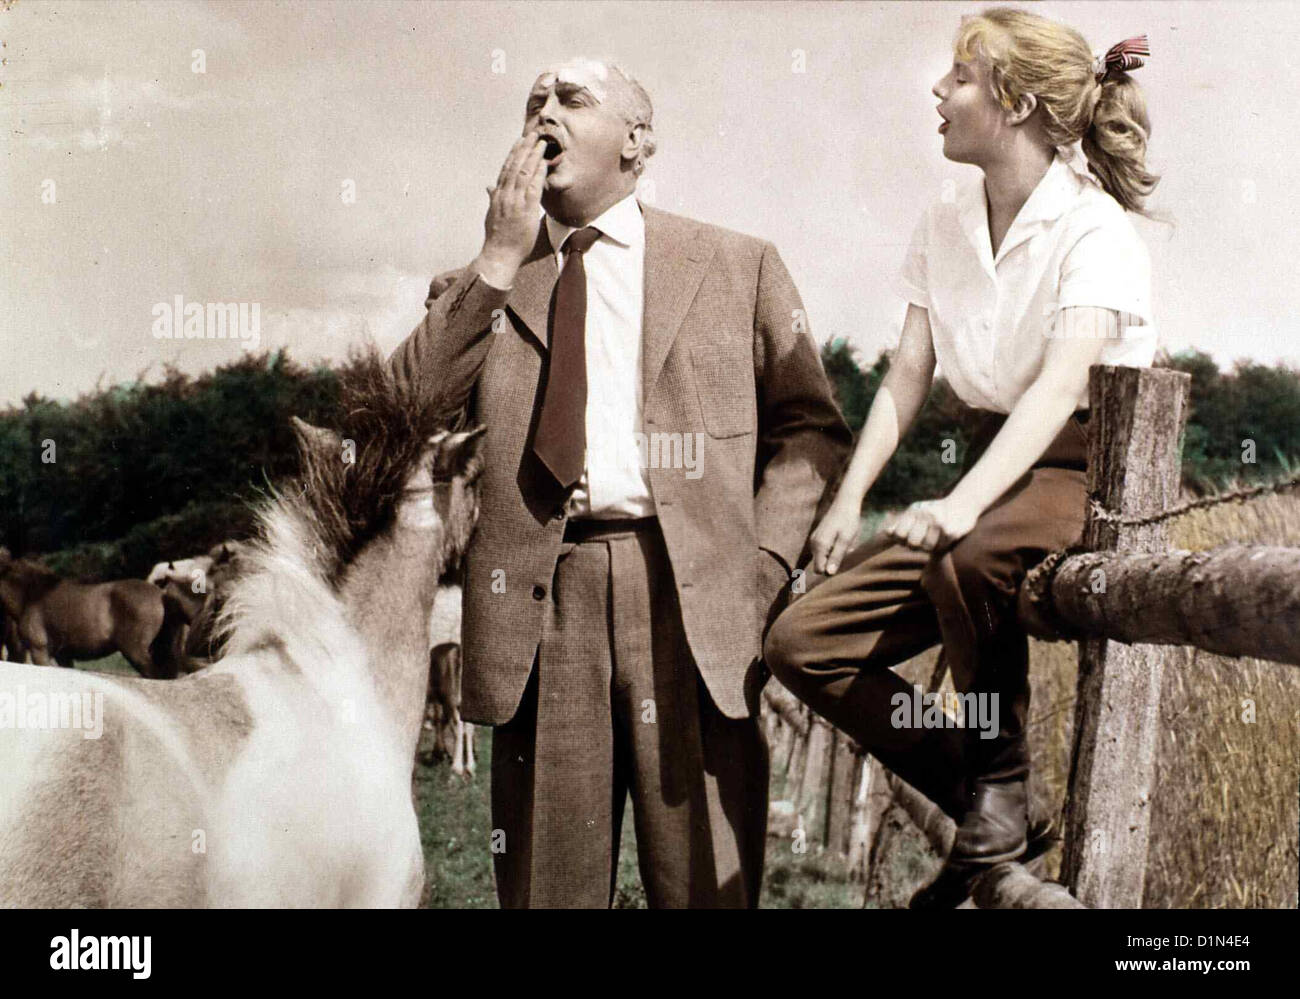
x=1029, y=54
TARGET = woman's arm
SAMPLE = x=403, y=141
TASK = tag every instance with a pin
x=898, y=401
x=1034, y=421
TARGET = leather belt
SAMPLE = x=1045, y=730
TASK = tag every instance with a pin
x=589, y=529
x=987, y=414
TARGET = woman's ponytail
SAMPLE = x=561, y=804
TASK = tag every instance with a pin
x=1116, y=141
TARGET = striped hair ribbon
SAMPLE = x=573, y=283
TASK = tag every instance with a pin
x=1122, y=57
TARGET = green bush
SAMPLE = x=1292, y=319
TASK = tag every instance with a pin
x=174, y=536
x=143, y=473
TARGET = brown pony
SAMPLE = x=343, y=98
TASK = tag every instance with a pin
x=205, y=642
x=192, y=610
x=453, y=737
x=11, y=648
x=60, y=620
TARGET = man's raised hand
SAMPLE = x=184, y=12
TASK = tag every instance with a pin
x=510, y=226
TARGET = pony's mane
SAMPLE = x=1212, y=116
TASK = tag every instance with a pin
x=313, y=527
x=347, y=504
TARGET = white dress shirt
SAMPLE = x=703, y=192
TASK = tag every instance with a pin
x=614, y=483
x=991, y=317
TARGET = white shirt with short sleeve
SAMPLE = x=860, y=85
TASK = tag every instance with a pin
x=991, y=317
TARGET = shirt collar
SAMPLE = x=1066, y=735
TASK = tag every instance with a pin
x=1052, y=196
x=622, y=222
x=1048, y=201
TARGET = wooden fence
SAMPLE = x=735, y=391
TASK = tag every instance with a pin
x=1126, y=599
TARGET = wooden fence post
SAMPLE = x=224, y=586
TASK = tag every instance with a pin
x=839, y=802
x=860, y=825
x=1135, y=471
x=810, y=797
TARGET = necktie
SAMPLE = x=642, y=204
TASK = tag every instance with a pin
x=561, y=439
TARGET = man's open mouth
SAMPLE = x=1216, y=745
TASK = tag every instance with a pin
x=553, y=149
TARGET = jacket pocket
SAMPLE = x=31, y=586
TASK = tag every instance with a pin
x=724, y=381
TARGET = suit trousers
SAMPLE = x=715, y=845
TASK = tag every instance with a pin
x=615, y=704
x=835, y=646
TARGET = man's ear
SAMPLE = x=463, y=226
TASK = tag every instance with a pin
x=634, y=141
x=1020, y=111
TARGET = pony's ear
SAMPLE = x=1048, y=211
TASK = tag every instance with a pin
x=462, y=450
x=457, y=455
x=225, y=551
x=316, y=439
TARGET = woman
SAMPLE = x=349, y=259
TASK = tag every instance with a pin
x=1029, y=276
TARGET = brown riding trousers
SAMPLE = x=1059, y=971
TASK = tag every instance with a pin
x=835, y=646
x=616, y=705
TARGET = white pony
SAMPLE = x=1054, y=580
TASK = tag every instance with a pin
x=182, y=570
x=281, y=775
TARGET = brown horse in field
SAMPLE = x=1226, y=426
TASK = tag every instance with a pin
x=194, y=593
x=453, y=737
x=60, y=620
x=11, y=648
x=205, y=643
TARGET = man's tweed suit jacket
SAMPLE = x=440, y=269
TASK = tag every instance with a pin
x=727, y=354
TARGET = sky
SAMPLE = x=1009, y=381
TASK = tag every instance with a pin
x=208, y=151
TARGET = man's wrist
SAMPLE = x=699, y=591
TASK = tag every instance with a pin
x=494, y=272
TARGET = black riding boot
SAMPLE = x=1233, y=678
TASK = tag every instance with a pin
x=995, y=828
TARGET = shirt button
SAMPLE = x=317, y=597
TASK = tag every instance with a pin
x=559, y=515
x=539, y=592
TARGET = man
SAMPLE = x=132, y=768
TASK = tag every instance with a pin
x=659, y=435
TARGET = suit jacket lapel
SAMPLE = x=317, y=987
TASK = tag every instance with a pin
x=676, y=257
x=530, y=299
